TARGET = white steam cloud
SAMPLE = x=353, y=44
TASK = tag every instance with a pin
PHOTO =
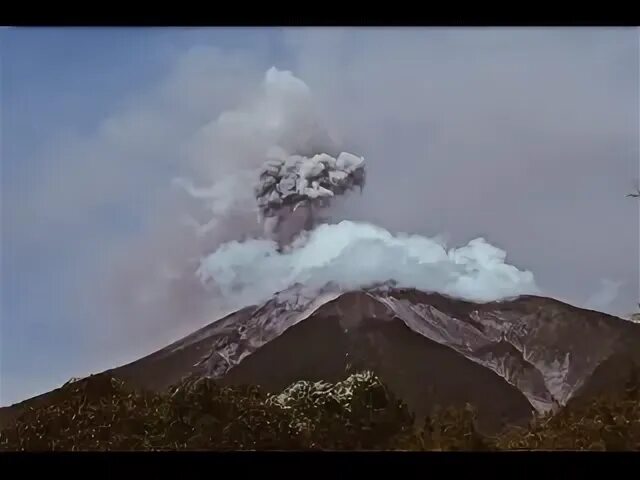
x=354, y=255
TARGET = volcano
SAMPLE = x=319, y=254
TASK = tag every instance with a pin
x=510, y=358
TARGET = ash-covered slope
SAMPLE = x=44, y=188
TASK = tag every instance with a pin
x=508, y=358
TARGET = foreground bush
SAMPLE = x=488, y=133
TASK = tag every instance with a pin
x=101, y=413
x=604, y=423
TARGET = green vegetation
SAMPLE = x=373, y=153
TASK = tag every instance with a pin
x=101, y=413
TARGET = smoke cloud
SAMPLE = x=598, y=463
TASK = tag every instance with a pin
x=603, y=298
x=292, y=183
x=354, y=255
x=266, y=222
x=349, y=255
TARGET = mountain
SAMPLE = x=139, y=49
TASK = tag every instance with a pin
x=509, y=358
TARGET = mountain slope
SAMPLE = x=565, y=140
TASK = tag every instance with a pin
x=508, y=358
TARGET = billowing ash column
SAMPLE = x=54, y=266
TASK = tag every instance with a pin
x=293, y=190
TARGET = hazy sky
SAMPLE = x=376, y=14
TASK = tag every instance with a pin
x=527, y=137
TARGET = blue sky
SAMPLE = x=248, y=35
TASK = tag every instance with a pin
x=544, y=122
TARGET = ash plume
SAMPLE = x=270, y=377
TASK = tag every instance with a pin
x=300, y=169
x=289, y=167
x=256, y=217
x=294, y=183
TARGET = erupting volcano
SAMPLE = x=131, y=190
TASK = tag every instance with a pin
x=311, y=296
